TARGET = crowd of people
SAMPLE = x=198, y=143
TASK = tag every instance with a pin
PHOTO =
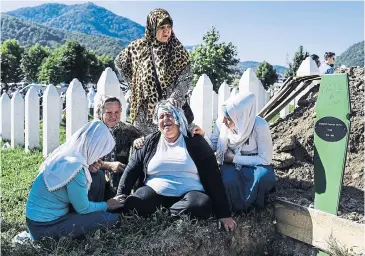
x=161, y=159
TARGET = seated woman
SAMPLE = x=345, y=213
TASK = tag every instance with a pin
x=243, y=146
x=176, y=171
x=64, y=181
x=107, y=172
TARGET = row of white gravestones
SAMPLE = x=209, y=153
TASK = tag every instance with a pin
x=207, y=108
x=16, y=112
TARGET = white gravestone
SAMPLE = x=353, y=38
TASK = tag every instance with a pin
x=5, y=111
x=17, y=120
x=31, y=119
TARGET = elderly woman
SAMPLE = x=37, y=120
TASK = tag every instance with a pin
x=64, y=181
x=156, y=67
x=243, y=146
x=107, y=172
x=176, y=171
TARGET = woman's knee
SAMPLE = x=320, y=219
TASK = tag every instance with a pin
x=198, y=204
x=267, y=177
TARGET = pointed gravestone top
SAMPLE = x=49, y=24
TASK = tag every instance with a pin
x=4, y=97
x=17, y=96
x=74, y=86
x=307, y=68
x=32, y=93
x=50, y=91
x=204, y=80
x=248, y=77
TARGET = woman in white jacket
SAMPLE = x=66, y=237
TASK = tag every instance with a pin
x=243, y=146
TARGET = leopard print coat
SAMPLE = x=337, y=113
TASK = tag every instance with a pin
x=135, y=65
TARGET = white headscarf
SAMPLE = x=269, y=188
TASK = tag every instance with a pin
x=241, y=108
x=84, y=147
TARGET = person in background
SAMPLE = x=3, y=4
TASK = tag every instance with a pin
x=327, y=66
x=176, y=171
x=61, y=201
x=155, y=67
x=243, y=146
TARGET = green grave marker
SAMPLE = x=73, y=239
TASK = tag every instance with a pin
x=331, y=135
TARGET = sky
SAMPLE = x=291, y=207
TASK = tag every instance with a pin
x=270, y=30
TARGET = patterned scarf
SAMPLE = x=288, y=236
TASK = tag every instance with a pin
x=136, y=63
x=165, y=106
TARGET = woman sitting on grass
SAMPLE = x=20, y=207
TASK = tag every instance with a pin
x=106, y=172
x=62, y=186
x=176, y=171
x=243, y=146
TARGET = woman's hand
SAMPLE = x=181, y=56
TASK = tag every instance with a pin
x=228, y=156
x=116, y=202
x=116, y=166
x=228, y=223
x=138, y=143
x=96, y=166
x=197, y=130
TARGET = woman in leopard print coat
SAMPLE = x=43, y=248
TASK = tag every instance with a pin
x=156, y=67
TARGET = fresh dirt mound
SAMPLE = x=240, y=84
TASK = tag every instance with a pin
x=293, y=139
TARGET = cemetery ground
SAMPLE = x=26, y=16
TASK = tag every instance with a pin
x=158, y=235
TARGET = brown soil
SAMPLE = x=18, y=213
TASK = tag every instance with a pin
x=293, y=152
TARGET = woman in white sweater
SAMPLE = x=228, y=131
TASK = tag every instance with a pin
x=243, y=146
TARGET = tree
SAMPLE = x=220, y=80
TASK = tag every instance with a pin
x=96, y=67
x=51, y=69
x=11, y=54
x=216, y=60
x=299, y=56
x=32, y=61
x=66, y=63
x=267, y=74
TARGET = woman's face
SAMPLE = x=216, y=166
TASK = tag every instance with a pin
x=229, y=123
x=111, y=115
x=163, y=33
x=167, y=126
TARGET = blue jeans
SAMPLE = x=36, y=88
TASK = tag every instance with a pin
x=72, y=224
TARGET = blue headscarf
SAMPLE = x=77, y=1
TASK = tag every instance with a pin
x=167, y=107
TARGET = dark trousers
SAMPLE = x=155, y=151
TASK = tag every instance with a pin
x=145, y=200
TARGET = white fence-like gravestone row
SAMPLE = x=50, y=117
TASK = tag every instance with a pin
x=205, y=104
x=31, y=119
x=17, y=120
x=5, y=113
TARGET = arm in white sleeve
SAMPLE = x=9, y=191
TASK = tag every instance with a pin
x=264, y=147
x=213, y=140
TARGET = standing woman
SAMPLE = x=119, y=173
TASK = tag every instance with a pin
x=156, y=67
x=243, y=146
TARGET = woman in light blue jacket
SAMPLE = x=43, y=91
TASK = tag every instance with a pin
x=58, y=203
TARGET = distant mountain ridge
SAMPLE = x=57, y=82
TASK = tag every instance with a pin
x=30, y=33
x=353, y=56
x=243, y=65
x=85, y=18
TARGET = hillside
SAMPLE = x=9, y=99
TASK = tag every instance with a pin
x=85, y=18
x=30, y=33
x=243, y=65
x=353, y=56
